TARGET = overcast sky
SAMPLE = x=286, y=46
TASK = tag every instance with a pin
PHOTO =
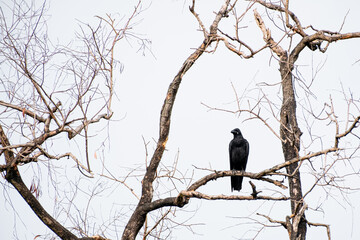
x=199, y=137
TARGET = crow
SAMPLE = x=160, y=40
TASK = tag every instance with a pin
x=239, y=152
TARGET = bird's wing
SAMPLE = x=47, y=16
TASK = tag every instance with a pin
x=247, y=148
x=230, y=154
x=246, y=154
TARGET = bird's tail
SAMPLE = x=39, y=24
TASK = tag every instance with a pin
x=236, y=183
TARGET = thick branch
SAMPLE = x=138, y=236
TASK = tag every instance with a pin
x=73, y=132
x=199, y=195
x=178, y=201
x=272, y=220
x=139, y=215
x=32, y=145
x=295, y=160
x=184, y=196
x=23, y=110
x=321, y=225
x=13, y=176
x=320, y=35
x=220, y=174
x=5, y=143
x=190, y=192
x=299, y=29
x=267, y=36
x=354, y=125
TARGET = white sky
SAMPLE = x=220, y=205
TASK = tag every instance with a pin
x=202, y=136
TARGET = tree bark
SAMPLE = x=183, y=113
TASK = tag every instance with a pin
x=290, y=134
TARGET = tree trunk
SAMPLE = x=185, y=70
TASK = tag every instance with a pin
x=290, y=133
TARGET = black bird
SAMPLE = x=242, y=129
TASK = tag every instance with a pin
x=239, y=152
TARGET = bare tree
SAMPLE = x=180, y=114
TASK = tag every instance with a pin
x=38, y=110
x=290, y=132
x=53, y=93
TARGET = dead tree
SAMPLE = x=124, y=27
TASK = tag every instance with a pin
x=40, y=104
x=289, y=129
x=290, y=134
x=29, y=124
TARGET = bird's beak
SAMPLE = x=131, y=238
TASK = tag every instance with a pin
x=233, y=131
